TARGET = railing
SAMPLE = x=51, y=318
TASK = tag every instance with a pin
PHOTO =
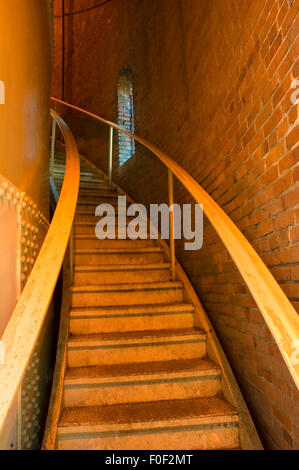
x=278, y=312
x=22, y=331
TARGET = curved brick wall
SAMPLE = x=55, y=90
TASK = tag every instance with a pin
x=212, y=85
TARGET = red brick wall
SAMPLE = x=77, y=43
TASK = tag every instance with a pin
x=212, y=87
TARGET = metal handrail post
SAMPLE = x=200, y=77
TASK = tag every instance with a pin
x=171, y=224
x=110, y=154
x=53, y=147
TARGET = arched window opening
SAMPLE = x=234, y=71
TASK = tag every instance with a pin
x=126, y=145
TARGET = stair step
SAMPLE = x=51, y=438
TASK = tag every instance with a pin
x=91, y=242
x=86, y=165
x=101, y=185
x=91, y=201
x=196, y=423
x=121, y=274
x=89, y=217
x=95, y=181
x=84, y=174
x=152, y=381
x=118, y=256
x=89, y=171
x=109, y=194
x=85, y=321
x=92, y=170
x=127, y=294
x=98, y=183
x=88, y=204
x=59, y=169
x=87, y=207
x=85, y=228
x=88, y=213
x=96, y=192
x=85, y=181
x=59, y=154
x=136, y=346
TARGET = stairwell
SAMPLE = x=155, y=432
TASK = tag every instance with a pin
x=138, y=374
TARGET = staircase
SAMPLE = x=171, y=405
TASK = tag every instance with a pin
x=138, y=374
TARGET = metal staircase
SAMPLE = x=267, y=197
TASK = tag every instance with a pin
x=138, y=373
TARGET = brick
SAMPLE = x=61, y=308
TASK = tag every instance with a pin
x=284, y=220
x=293, y=138
x=288, y=161
x=288, y=20
x=295, y=269
x=296, y=174
x=289, y=255
x=272, y=122
x=290, y=290
x=293, y=115
x=288, y=61
x=248, y=136
x=273, y=49
x=282, y=13
x=282, y=90
x=291, y=198
x=282, y=273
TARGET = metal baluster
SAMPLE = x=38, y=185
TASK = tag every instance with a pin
x=110, y=154
x=72, y=256
x=53, y=147
x=171, y=224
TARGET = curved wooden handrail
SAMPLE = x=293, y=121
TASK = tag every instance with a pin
x=278, y=312
x=24, y=326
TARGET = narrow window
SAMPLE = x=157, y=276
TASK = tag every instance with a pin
x=126, y=145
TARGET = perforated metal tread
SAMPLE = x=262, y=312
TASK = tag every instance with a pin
x=146, y=309
x=137, y=335
x=147, y=368
x=165, y=410
x=119, y=251
x=128, y=287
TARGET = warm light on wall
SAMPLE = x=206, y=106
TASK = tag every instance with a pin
x=2, y=92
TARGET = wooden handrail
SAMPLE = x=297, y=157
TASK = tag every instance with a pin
x=278, y=312
x=24, y=326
